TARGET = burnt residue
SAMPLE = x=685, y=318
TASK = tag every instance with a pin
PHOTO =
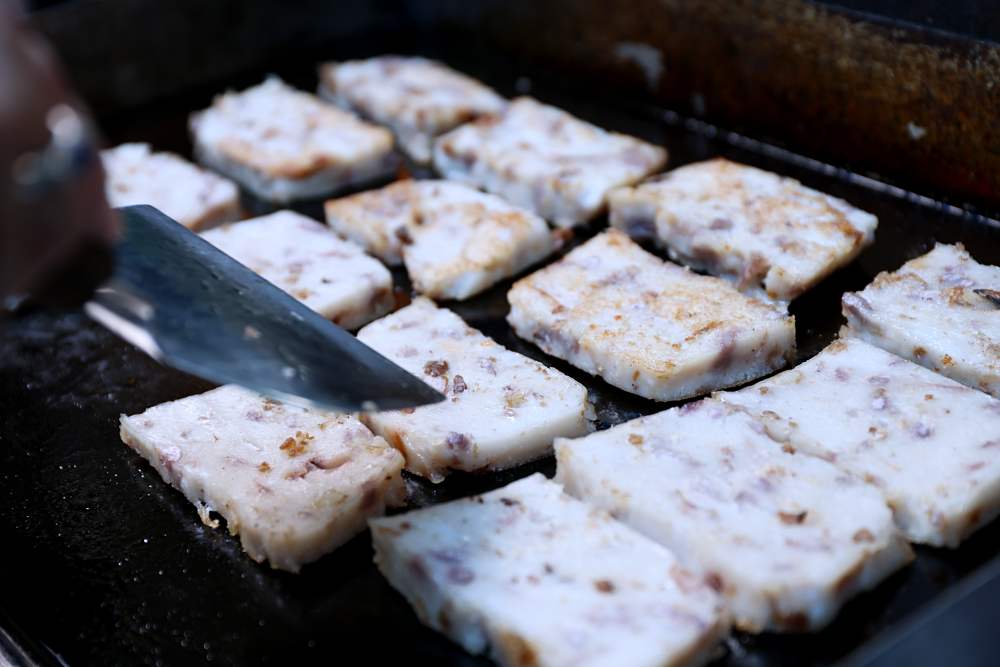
x=914, y=104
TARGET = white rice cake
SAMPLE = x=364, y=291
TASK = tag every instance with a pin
x=540, y=579
x=502, y=409
x=196, y=198
x=455, y=240
x=931, y=445
x=283, y=144
x=293, y=483
x=753, y=227
x=545, y=160
x=785, y=538
x=417, y=98
x=935, y=310
x=647, y=326
x=332, y=276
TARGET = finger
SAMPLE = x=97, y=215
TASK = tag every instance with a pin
x=96, y=219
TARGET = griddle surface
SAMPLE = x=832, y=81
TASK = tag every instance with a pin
x=106, y=564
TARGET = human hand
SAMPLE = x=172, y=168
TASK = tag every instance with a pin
x=52, y=200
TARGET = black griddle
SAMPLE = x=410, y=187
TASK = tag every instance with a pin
x=104, y=563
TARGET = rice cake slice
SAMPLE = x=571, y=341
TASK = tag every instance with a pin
x=417, y=98
x=502, y=408
x=647, y=326
x=194, y=197
x=758, y=229
x=545, y=160
x=538, y=578
x=455, y=240
x=332, y=276
x=940, y=310
x=930, y=445
x=293, y=483
x=283, y=144
x=786, y=538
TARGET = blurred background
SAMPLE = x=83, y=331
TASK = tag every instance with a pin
x=905, y=91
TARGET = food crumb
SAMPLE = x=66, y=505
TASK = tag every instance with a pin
x=436, y=368
x=864, y=535
x=297, y=445
x=604, y=586
x=792, y=518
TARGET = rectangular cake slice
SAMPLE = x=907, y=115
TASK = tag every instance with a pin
x=502, y=408
x=758, y=229
x=538, y=578
x=283, y=144
x=303, y=257
x=930, y=445
x=648, y=326
x=941, y=310
x=417, y=98
x=545, y=160
x=454, y=240
x=196, y=198
x=786, y=538
x=293, y=483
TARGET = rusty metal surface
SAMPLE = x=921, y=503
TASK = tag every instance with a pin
x=916, y=105
x=910, y=102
